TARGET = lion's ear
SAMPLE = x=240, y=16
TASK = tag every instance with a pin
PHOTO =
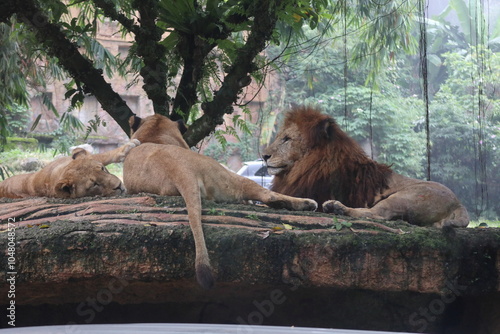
x=134, y=122
x=64, y=188
x=182, y=127
x=329, y=128
x=324, y=130
x=79, y=153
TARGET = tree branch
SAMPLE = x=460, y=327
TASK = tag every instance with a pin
x=193, y=51
x=265, y=17
x=109, y=10
x=194, y=47
x=152, y=53
x=147, y=36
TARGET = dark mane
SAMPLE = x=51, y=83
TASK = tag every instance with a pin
x=336, y=167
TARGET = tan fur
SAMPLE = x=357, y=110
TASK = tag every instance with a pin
x=312, y=157
x=164, y=165
x=80, y=175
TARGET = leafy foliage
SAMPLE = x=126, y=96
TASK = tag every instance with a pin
x=246, y=144
x=17, y=120
x=12, y=83
x=382, y=122
x=19, y=71
x=5, y=172
x=387, y=119
x=205, y=52
x=466, y=133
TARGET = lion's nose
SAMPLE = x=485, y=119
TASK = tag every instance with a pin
x=120, y=188
x=266, y=157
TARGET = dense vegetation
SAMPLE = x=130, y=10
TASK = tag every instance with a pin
x=386, y=114
x=194, y=57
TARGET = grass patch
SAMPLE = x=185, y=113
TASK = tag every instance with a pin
x=489, y=223
x=12, y=160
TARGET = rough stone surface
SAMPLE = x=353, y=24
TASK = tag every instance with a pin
x=31, y=165
x=132, y=260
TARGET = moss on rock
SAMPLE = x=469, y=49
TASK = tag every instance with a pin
x=25, y=144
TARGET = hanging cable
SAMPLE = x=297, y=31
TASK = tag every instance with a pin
x=478, y=45
x=345, y=63
x=371, y=125
x=422, y=7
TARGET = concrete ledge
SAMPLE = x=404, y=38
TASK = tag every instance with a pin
x=94, y=260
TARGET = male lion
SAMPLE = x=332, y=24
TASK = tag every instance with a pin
x=312, y=157
x=82, y=174
x=165, y=165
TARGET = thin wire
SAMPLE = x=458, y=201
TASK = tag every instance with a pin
x=477, y=27
x=345, y=63
x=423, y=7
x=371, y=125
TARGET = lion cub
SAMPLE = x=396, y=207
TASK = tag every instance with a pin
x=165, y=165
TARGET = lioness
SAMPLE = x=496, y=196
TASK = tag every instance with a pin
x=82, y=174
x=165, y=165
x=312, y=157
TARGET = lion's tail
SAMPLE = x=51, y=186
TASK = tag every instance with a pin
x=204, y=274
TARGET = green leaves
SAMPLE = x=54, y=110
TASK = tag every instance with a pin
x=465, y=130
x=75, y=29
x=383, y=30
x=340, y=225
x=70, y=123
x=177, y=15
x=5, y=172
x=13, y=86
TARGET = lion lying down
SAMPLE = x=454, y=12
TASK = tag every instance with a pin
x=165, y=165
x=82, y=174
x=312, y=157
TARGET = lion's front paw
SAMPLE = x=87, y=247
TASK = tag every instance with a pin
x=309, y=205
x=125, y=149
x=335, y=207
x=133, y=143
x=130, y=145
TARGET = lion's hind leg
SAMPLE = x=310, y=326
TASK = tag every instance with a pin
x=458, y=218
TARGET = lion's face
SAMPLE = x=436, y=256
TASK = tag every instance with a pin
x=85, y=176
x=285, y=151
